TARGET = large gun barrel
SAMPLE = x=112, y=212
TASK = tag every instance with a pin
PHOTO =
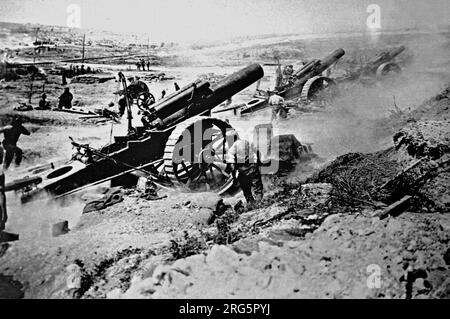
x=199, y=97
x=316, y=67
x=386, y=56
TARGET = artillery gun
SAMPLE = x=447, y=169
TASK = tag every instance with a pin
x=181, y=145
x=382, y=65
x=307, y=82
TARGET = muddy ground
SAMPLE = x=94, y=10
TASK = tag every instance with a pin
x=317, y=233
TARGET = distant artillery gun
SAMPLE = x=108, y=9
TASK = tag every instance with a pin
x=381, y=66
x=137, y=93
x=181, y=147
x=306, y=83
x=13, y=71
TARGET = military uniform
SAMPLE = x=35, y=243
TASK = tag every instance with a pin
x=12, y=133
x=65, y=100
x=3, y=214
x=278, y=108
x=245, y=162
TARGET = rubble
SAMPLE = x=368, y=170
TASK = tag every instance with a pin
x=60, y=228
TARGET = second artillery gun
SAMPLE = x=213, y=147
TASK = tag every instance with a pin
x=380, y=66
x=306, y=83
x=181, y=145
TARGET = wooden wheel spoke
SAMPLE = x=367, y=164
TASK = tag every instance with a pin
x=185, y=167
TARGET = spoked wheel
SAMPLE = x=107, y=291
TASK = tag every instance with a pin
x=194, y=156
x=144, y=100
x=318, y=88
x=140, y=94
x=388, y=69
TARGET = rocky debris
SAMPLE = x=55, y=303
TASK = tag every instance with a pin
x=435, y=108
x=418, y=166
x=60, y=228
x=110, y=197
x=429, y=139
x=10, y=288
x=316, y=194
x=204, y=217
x=207, y=208
x=403, y=249
x=356, y=178
x=74, y=279
x=447, y=257
x=114, y=271
x=187, y=244
x=207, y=200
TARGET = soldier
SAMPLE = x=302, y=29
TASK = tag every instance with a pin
x=148, y=65
x=278, y=107
x=288, y=71
x=278, y=77
x=242, y=159
x=11, y=135
x=43, y=104
x=163, y=94
x=177, y=87
x=138, y=65
x=122, y=105
x=65, y=100
x=3, y=213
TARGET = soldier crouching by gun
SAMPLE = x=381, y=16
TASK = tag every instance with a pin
x=243, y=161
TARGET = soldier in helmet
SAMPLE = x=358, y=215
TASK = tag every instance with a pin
x=242, y=160
x=3, y=213
x=65, y=100
x=11, y=134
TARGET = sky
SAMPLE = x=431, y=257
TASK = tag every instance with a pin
x=190, y=20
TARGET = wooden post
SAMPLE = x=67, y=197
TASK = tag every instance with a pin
x=3, y=212
x=31, y=88
x=84, y=41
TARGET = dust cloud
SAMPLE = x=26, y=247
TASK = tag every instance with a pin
x=34, y=220
x=349, y=122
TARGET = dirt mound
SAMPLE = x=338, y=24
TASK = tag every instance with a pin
x=418, y=165
x=436, y=108
x=407, y=253
x=425, y=139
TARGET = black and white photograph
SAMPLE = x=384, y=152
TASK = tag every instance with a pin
x=224, y=150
